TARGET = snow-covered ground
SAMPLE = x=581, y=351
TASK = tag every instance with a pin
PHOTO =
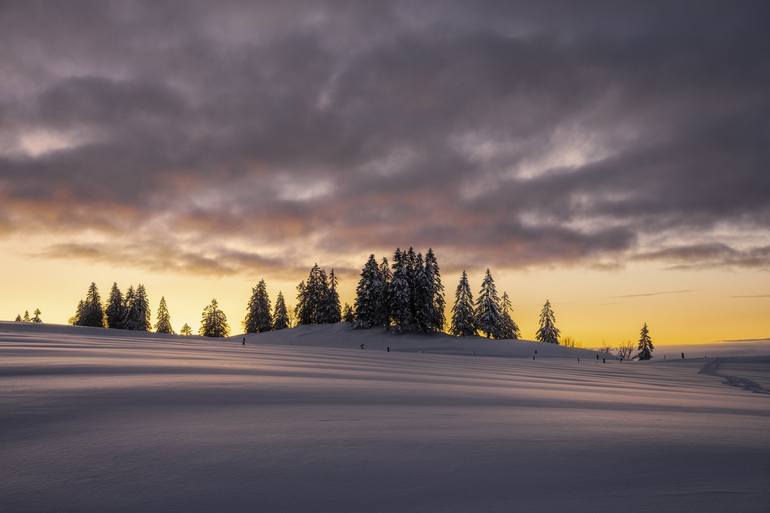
x=304, y=421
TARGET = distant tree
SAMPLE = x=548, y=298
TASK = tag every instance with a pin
x=163, y=319
x=36, y=319
x=626, y=350
x=18, y=318
x=463, y=320
x=115, y=311
x=568, y=341
x=382, y=299
x=548, y=332
x=399, y=293
x=138, y=310
x=214, y=321
x=347, y=314
x=186, y=330
x=90, y=312
x=488, y=313
x=645, y=346
x=510, y=330
x=437, y=303
x=258, y=312
x=368, y=292
x=332, y=312
x=26, y=316
x=281, y=314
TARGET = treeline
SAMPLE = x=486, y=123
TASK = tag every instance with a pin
x=129, y=312
x=36, y=319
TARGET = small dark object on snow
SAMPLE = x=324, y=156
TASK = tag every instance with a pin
x=533, y=357
x=535, y=351
x=388, y=348
x=244, y=341
x=597, y=357
x=362, y=346
x=682, y=356
x=578, y=360
x=604, y=360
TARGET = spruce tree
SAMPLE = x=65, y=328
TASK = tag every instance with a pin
x=645, y=346
x=90, y=312
x=137, y=309
x=115, y=310
x=463, y=320
x=186, y=330
x=382, y=316
x=301, y=310
x=163, y=319
x=488, y=313
x=213, y=321
x=399, y=293
x=548, y=332
x=258, y=313
x=281, y=314
x=510, y=328
x=75, y=319
x=36, y=319
x=347, y=314
x=332, y=309
x=436, y=291
x=26, y=316
x=422, y=297
x=368, y=295
x=18, y=318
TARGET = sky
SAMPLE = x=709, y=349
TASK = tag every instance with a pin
x=609, y=156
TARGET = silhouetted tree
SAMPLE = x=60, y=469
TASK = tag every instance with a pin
x=258, y=315
x=645, y=346
x=115, y=311
x=163, y=319
x=281, y=314
x=301, y=310
x=36, y=319
x=488, y=313
x=332, y=313
x=437, y=304
x=510, y=330
x=26, y=316
x=399, y=293
x=90, y=312
x=381, y=293
x=18, y=318
x=137, y=310
x=463, y=319
x=368, y=293
x=186, y=330
x=347, y=314
x=214, y=321
x=548, y=332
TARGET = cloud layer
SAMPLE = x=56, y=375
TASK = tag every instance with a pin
x=236, y=135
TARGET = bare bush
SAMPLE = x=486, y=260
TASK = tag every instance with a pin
x=625, y=350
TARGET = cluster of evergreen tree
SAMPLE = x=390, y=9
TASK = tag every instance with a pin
x=129, y=312
x=490, y=314
x=213, y=321
x=318, y=301
x=259, y=315
x=36, y=319
x=408, y=296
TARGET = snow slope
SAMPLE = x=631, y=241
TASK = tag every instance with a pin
x=108, y=421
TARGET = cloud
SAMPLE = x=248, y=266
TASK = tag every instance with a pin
x=504, y=134
x=657, y=293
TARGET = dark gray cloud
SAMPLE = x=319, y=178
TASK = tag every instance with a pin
x=501, y=133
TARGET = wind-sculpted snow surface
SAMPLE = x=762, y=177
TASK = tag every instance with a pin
x=104, y=421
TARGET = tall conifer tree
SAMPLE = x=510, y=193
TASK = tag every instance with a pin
x=367, y=295
x=399, y=293
x=463, y=320
x=645, y=346
x=90, y=312
x=436, y=290
x=281, y=314
x=489, y=318
x=258, y=314
x=214, y=321
x=548, y=332
x=510, y=328
x=163, y=319
x=115, y=311
x=36, y=319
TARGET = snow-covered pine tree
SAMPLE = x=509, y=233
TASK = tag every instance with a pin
x=186, y=330
x=367, y=295
x=489, y=318
x=510, y=328
x=75, y=319
x=332, y=308
x=316, y=289
x=115, y=311
x=258, y=312
x=137, y=309
x=347, y=314
x=645, y=346
x=36, y=319
x=463, y=319
x=422, y=297
x=412, y=267
x=382, y=317
x=163, y=319
x=301, y=310
x=548, y=332
x=26, y=317
x=437, y=303
x=91, y=312
x=214, y=321
x=399, y=294
x=281, y=314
